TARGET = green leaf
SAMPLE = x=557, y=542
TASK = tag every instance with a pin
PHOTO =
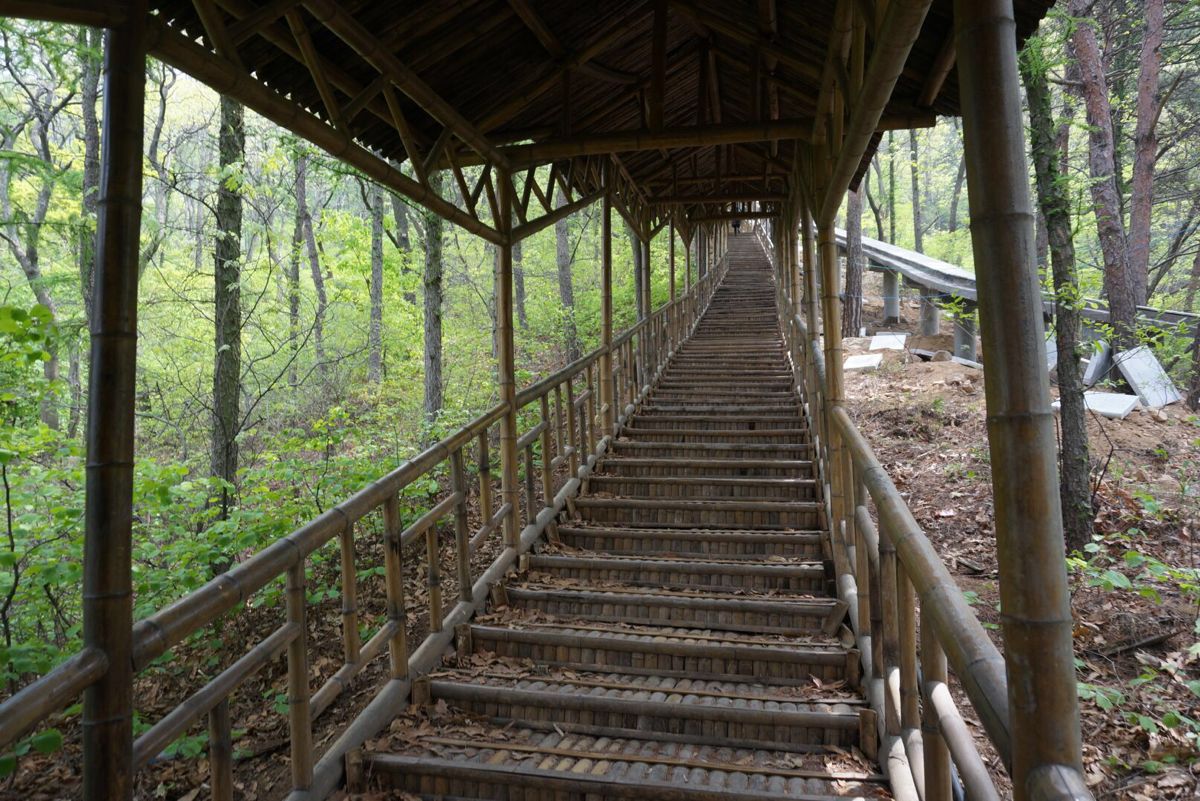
x=47, y=742
x=8, y=763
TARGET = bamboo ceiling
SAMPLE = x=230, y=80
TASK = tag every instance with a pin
x=703, y=102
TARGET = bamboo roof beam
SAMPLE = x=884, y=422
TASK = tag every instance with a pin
x=658, y=65
x=215, y=31
x=71, y=12
x=181, y=52
x=641, y=140
x=938, y=73
x=537, y=27
x=309, y=53
x=899, y=30
x=346, y=27
x=723, y=197
x=261, y=17
x=520, y=100
x=747, y=36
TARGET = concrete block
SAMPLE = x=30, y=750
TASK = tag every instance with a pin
x=1147, y=377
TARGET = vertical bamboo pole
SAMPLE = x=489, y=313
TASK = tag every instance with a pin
x=832, y=312
x=646, y=343
x=108, y=514
x=573, y=440
x=351, y=642
x=547, y=453
x=434, y=576
x=485, y=478
x=462, y=535
x=607, y=398
x=220, y=752
x=812, y=310
x=509, y=491
x=393, y=568
x=937, y=757
x=299, y=716
x=1033, y=581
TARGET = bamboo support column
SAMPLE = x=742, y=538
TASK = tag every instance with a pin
x=220, y=752
x=108, y=515
x=607, y=397
x=936, y=757
x=671, y=232
x=509, y=490
x=1033, y=581
x=832, y=312
x=812, y=310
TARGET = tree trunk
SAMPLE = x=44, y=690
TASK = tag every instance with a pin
x=1118, y=287
x=293, y=281
x=519, y=286
x=852, y=308
x=314, y=260
x=403, y=244
x=636, y=245
x=90, y=56
x=1145, y=150
x=227, y=252
x=891, y=196
x=914, y=171
x=876, y=210
x=432, y=224
x=1193, y=399
x=375, y=329
x=566, y=293
x=1074, y=466
x=952, y=226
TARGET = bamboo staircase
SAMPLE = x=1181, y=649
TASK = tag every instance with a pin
x=679, y=637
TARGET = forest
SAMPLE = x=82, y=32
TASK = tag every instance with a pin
x=300, y=327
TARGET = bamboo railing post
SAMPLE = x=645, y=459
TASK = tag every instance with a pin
x=509, y=491
x=351, y=642
x=434, y=574
x=607, y=398
x=936, y=756
x=299, y=718
x=889, y=669
x=220, y=752
x=910, y=692
x=393, y=563
x=485, y=478
x=1037, y=622
x=462, y=534
x=576, y=435
x=547, y=453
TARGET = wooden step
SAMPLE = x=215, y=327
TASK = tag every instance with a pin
x=692, y=573
x=701, y=514
x=653, y=650
x=669, y=542
x=784, y=436
x=532, y=763
x=706, y=486
x=718, y=422
x=729, y=468
x=740, y=611
x=613, y=703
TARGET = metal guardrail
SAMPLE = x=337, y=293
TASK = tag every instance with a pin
x=946, y=280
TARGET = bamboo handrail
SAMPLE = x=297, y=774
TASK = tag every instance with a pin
x=580, y=440
x=921, y=728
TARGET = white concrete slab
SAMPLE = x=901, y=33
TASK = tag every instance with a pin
x=1051, y=352
x=864, y=361
x=1108, y=404
x=1147, y=377
x=1098, y=364
x=888, y=340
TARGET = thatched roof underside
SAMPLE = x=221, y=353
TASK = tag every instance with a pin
x=521, y=71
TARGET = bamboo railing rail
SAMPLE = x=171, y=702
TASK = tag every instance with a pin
x=561, y=436
x=885, y=565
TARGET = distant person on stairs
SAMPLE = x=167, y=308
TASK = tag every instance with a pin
x=737, y=226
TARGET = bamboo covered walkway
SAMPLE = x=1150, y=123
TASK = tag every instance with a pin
x=677, y=638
